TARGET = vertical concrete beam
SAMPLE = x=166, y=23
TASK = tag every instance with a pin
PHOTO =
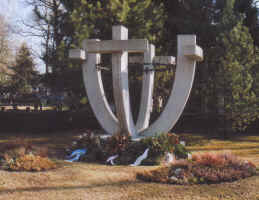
x=120, y=84
x=146, y=101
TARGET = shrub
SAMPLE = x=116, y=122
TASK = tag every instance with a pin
x=180, y=151
x=220, y=167
x=30, y=162
x=22, y=156
x=210, y=159
x=203, y=168
x=161, y=144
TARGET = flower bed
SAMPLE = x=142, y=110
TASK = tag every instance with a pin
x=21, y=156
x=202, y=168
x=125, y=150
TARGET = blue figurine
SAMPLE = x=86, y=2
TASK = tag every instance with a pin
x=75, y=155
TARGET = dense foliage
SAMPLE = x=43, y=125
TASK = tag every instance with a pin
x=226, y=82
x=237, y=99
x=25, y=75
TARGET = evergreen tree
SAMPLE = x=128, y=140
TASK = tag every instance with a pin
x=225, y=72
x=70, y=22
x=25, y=74
x=226, y=80
x=94, y=19
x=235, y=52
x=249, y=8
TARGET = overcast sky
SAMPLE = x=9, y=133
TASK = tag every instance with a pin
x=14, y=12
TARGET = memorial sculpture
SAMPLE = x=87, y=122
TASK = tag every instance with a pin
x=188, y=53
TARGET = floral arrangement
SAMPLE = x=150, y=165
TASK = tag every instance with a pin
x=202, y=168
x=125, y=150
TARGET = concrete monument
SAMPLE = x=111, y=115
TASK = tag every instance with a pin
x=187, y=55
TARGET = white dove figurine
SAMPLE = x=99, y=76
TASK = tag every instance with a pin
x=111, y=159
x=140, y=158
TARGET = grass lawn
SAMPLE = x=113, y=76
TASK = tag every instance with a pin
x=91, y=181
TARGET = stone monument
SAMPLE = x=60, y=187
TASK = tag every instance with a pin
x=187, y=56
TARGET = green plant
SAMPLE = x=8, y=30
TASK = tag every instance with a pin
x=180, y=151
x=161, y=144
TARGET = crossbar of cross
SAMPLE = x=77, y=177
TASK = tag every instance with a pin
x=155, y=67
x=82, y=54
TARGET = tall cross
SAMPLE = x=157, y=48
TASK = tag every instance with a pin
x=119, y=47
x=187, y=55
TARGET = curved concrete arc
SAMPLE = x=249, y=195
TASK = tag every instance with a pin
x=95, y=92
x=147, y=91
x=181, y=89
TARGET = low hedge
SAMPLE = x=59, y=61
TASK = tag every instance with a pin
x=35, y=121
x=46, y=121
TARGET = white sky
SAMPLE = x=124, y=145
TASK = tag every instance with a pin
x=14, y=12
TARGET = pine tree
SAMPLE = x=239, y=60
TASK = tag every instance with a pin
x=94, y=19
x=70, y=22
x=225, y=72
x=235, y=52
x=25, y=74
x=249, y=8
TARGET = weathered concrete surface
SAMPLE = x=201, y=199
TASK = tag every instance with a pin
x=193, y=52
x=117, y=46
x=187, y=55
x=120, y=84
x=156, y=60
x=184, y=77
x=77, y=54
x=147, y=91
x=164, y=60
x=96, y=95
